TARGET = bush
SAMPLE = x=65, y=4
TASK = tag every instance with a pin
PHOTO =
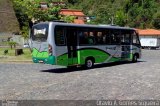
x=12, y=44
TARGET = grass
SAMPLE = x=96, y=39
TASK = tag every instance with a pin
x=10, y=56
x=3, y=43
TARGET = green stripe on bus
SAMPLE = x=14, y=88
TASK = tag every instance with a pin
x=131, y=56
x=42, y=56
x=36, y=53
x=99, y=55
x=62, y=59
x=113, y=59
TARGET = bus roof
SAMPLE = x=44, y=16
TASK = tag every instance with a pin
x=87, y=25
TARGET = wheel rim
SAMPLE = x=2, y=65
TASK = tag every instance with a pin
x=135, y=58
x=89, y=63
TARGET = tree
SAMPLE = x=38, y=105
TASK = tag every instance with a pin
x=11, y=44
x=20, y=11
x=68, y=19
x=133, y=13
x=102, y=15
x=156, y=21
x=140, y=13
x=33, y=10
x=72, y=1
x=27, y=10
x=120, y=18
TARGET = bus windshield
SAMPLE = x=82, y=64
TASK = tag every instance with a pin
x=39, y=32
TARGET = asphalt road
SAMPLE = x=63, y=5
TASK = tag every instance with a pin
x=121, y=81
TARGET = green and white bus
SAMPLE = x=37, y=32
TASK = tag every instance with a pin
x=73, y=44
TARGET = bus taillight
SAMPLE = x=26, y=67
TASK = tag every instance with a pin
x=50, y=49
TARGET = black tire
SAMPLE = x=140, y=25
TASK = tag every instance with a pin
x=89, y=63
x=135, y=58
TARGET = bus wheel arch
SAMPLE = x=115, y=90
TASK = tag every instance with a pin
x=89, y=62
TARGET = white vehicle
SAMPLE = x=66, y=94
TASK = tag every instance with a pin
x=26, y=45
x=150, y=43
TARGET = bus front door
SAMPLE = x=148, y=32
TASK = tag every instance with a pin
x=126, y=51
x=72, y=46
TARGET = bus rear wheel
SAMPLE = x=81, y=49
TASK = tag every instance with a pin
x=135, y=58
x=89, y=63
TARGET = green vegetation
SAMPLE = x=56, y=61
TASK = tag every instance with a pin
x=133, y=13
x=12, y=44
x=10, y=56
x=27, y=10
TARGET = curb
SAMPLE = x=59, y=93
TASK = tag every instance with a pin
x=17, y=61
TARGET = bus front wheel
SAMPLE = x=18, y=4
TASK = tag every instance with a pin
x=89, y=63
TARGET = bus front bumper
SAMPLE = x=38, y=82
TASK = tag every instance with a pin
x=49, y=60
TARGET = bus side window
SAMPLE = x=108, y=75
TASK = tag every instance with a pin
x=107, y=37
x=91, y=38
x=115, y=37
x=135, y=39
x=125, y=37
x=59, y=36
x=99, y=39
x=86, y=37
x=112, y=37
x=83, y=37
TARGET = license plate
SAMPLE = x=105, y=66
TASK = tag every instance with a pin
x=41, y=61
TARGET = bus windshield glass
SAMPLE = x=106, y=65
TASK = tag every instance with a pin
x=39, y=32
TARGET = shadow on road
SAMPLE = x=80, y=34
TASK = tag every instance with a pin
x=96, y=66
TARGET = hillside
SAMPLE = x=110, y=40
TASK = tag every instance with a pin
x=8, y=20
x=133, y=13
